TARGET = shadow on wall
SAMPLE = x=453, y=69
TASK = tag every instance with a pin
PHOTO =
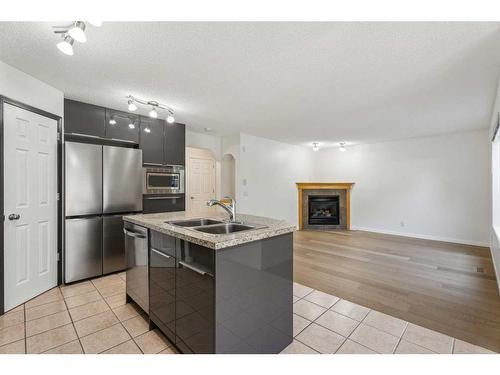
x=228, y=176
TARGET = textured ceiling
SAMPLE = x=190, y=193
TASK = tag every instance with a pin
x=294, y=82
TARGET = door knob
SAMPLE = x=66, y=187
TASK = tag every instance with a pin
x=14, y=217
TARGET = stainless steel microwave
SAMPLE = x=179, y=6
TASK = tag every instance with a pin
x=164, y=180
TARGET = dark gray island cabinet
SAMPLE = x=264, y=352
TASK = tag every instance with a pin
x=236, y=299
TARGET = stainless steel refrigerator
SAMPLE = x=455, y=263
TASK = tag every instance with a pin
x=103, y=183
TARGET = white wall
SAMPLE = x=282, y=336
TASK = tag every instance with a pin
x=433, y=187
x=268, y=171
x=22, y=87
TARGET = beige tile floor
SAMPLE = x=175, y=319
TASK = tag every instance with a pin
x=87, y=317
x=92, y=317
x=323, y=323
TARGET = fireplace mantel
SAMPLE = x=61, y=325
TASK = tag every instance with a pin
x=326, y=185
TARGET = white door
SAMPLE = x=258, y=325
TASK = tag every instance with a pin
x=30, y=205
x=200, y=181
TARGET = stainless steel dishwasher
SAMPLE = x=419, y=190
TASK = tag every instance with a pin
x=136, y=249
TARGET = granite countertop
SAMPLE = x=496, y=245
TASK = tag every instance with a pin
x=267, y=228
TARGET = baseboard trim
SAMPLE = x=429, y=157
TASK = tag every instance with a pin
x=423, y=236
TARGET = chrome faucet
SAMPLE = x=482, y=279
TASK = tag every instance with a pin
x=230, y=208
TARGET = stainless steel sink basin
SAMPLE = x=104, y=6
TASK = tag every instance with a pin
x=194, y=222
x=225, y=228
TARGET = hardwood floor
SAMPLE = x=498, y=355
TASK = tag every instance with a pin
x=442, y=286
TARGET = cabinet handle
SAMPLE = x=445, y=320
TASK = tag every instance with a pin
x=85, y=135
x=133, y=234
x=160, y=253
x=122, y=140
x=193, y=268
x=161, y=198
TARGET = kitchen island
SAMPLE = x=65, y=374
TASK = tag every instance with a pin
x=210, y=291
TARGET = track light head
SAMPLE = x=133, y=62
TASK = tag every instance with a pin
x=112, y=121
x=153, y=113
x=147, y=130
x=77, y=32
x=66, y=45
x=131, y=106
x=170, y=118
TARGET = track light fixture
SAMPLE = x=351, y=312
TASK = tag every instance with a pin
x=131, y=106
x=66, y=45
x=112, y=121
x=70, y=33
x=153, y=113
x=77, y=32
x=147, y=130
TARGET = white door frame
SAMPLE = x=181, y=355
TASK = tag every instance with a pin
x=60, y=188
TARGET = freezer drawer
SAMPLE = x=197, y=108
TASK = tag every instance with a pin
x=136, y=249
x=113, y=244
x=83, y=175
x=122, y=179
x=83, y=254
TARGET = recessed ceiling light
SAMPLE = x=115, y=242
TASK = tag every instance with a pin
x=315, y=146
x=153, y=113
x=66, y=45
x=77, y=32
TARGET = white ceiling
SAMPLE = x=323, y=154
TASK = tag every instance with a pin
x=294, y=82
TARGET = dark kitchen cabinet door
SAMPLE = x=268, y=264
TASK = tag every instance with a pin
x=83, y=119
x=152, y=142
x=154, y=203
x=126, y=127
x=194, y=298
x=162, y=283
x=175, y=144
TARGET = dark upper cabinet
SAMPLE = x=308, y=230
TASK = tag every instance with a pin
x=175, y=144
x=151, y=142
x=126, y=127
x=83, y=118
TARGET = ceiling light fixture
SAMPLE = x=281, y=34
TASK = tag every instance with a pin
x=155, y=106
x=131, y=106
x=77, y=32
x=147, y=130
x=112, y=121
x=131, y=125
x=170, y=118
x=153, y=113
x=315, y=146
x=66, y=45
x=342, y=146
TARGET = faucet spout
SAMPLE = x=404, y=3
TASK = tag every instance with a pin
x=230, y=207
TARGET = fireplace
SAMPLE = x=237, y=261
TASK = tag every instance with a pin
x=324, y=210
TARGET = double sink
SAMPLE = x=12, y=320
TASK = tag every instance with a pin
x=212, y=226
